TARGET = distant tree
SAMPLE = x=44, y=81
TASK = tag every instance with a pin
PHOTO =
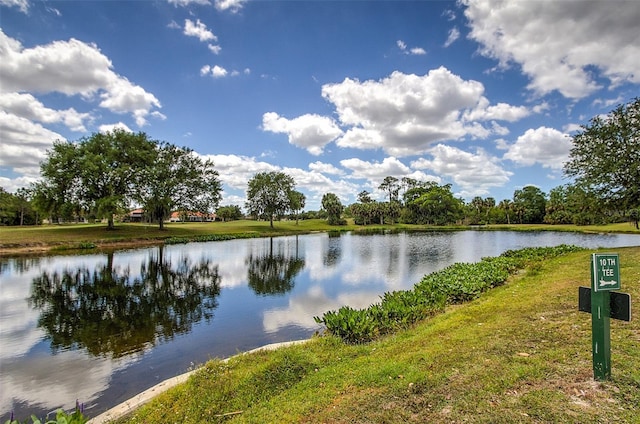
x=432, y=204
x=392, y=186
x=412, y=214
x=17, y=208
x=23, y=206
x=177, y=178
x=489, y=204
x=482, y=211
x=229, y=213
x=407, y=183
x=357, y=212
x=506, y=206
x=296, y=202
x=575, y=204
x=333, y=206
x=475, y=210
x=606, y=156
x=556, y=210
x=365, y=213
x=364, y=197
x=530, y=204
x=268, y=195
x=390, y=210
x=439, y=207
x=6, y=207
x=634, y=215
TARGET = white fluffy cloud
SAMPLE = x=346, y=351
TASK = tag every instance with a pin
x=402, y=114
x=72, y=68
x=188, y=2
x=545, y=146
x=375, y=172
x=309, y=131
x=325, y=168
x=214, y=71
x=214, y=48
x=317, y=184
x=475, y=173
x=24, y=144
x=454, y=34
x=560, y=44
x=23, y=5
x=417, y=51
x=199, y=30
x=230, y=5
x=28, y=107
x=235, y=171
x=220, y=72
x=405, y=114
x=111, y=127
x=222, y=5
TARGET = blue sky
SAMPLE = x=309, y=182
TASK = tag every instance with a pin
x=483, y=95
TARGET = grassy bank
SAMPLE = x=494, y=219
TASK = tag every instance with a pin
x=519, y=353
x=29, y=239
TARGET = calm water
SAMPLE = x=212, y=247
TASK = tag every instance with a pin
x=102, y=328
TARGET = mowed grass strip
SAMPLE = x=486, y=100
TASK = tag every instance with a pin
x=82, y=236
x=519, y=353
x=132, y=234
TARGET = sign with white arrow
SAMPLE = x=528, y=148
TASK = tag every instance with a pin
x=606, y=272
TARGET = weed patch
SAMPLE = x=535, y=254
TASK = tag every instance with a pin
x=458, y=283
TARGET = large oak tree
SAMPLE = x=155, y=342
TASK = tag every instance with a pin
x=269, y=195
x=606, y=156
x=178, y=179
x=107, y=173
x=98, y=174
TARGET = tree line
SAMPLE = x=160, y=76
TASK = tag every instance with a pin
x=103, y=175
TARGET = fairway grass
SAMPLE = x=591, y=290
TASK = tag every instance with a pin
x=57, y=238
x=520, y=353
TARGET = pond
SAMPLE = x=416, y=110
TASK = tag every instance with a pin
x=101, y=328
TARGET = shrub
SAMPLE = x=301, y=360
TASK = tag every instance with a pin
x=62, y=417
x=457, y=283
x=351, y=325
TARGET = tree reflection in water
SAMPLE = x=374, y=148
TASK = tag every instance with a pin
x=333, y=251
x=273, y=273
x=109, y=313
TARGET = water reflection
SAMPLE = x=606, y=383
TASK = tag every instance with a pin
x=107, y=312
x=332, y=249
x=101, y=328
x=273, y=273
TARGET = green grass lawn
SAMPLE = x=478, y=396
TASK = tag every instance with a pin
x=519, y=353
x=73, y=236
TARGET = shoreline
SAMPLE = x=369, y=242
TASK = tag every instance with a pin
x=135, y=402
x=89, y=245
x=70, y=248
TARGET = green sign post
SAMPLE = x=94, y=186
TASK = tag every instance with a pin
x=605, y=276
